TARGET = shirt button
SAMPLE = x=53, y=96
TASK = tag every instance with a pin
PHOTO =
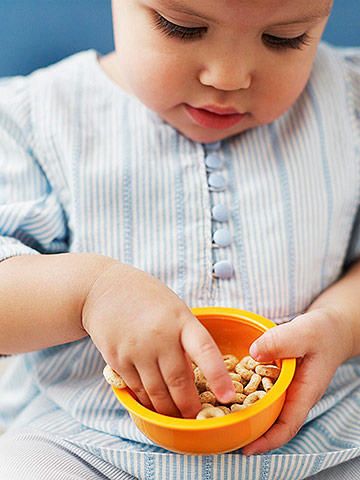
x=223, y=269
x=216, y=182
x=213, y=162
x=222, y=237
x=213, y=146
x=220, y=213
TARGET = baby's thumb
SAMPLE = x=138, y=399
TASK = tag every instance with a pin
x=283, y=341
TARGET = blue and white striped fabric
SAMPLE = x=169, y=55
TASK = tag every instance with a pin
x=85, y=167
x=34, y=455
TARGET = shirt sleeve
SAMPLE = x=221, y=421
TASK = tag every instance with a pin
x=32, y=220
x=352, y=66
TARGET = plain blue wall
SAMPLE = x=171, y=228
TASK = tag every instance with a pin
x=35, y=33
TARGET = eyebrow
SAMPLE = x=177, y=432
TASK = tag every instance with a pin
x=308, y=18
x=181, y=8
x=175, y=5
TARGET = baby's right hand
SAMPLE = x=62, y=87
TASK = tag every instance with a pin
x=148, y=336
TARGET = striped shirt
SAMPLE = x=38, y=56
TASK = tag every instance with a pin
x=86, y=167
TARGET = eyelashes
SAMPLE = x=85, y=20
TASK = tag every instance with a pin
x=172, y=30
x=278, y=42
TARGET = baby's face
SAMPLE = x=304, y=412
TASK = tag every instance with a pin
x=252, y=56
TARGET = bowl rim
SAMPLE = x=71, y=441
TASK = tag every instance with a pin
x=288, y=366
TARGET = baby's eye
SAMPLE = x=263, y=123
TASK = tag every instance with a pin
x=283, y=43
x=173, y=30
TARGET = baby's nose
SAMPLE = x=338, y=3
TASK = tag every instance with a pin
x=225, y=74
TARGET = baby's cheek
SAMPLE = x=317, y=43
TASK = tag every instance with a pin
x=277, y=97
x=156, y=85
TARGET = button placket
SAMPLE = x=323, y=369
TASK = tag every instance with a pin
x=213, y=162
x=221, y=237
x=220, y=213
x=223, y=269
x=216, y=182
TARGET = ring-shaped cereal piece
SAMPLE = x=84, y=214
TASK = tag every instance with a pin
x=207, y=397
x=210, y=412
x=225, y=409
x=267, y=383
x=113, y=378
x=230, y=361
x=236, y=407
x=239, y=388
x=271, y=371
x=244, y=373
x=253, y=385
x=235, y=377
x=254, y=397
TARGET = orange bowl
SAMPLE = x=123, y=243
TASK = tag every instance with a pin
x=233, y=331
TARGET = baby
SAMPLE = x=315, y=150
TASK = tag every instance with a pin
x=211, y=159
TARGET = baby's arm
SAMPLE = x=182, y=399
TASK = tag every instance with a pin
x=343, y=298
x=142, y=328
x=325, y=336
x=42, y=298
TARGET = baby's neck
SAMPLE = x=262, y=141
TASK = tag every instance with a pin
x=109, y=65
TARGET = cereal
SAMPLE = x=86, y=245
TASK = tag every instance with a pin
x=207, y=397
x=243, y=361
x=271, y=371
x=230, y=361
x=254, y=397
x=210, y=412
x=226, y=410
x=236, y=407
x=235, y=377
x=238, y=386
x=267, y=383
x=253, y=384
x=244, y=373
x=239, y=397
x=249, y=363
x=200, y=380
x=251, y=381
x=113, y=378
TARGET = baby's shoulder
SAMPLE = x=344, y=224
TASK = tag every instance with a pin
x=350, y=56
x=335, y=80
x=61, y=75
x=338, y=67
x=337, y=62
x=39, y=93
x=63, y=84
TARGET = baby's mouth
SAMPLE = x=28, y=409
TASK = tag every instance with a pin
x=218, y=118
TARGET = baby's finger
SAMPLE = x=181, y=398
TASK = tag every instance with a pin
x=190, y=363
x=282, y=341
x=156, y=388
x=302, y=395
x=178, y=376
x=132, y=379
x=199, y=344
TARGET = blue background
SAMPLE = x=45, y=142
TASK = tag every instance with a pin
x=35, y=33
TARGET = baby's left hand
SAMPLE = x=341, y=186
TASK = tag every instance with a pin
x=320, y=342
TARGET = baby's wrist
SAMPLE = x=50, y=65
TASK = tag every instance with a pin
x=99, y=266
x=334, y=319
